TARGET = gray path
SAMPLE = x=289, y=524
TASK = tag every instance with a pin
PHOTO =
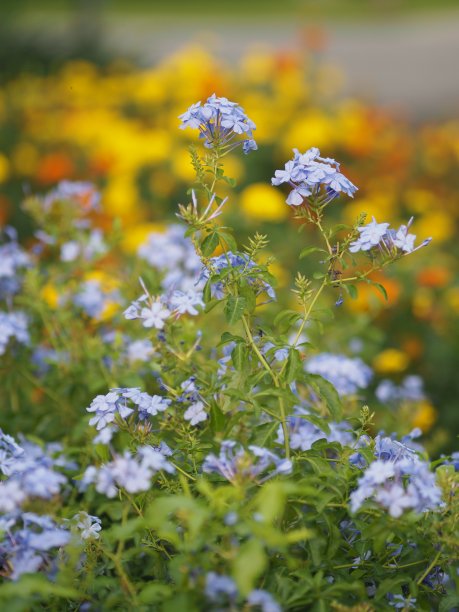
x=411, y=64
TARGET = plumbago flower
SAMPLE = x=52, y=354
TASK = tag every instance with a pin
x=133, y=473
x=223, y=590
x=237, y=263
x=347, y=375
x=220, y=122
x=379, y=238
x=27, y=543
x=13, y=259
x=81, y=193
x=411, y=389
x=173, y=254
x=398, y=480
x=303, y=433
x=313, y=177
x=13, y=326
x=155, y=311
x=237, y=464
x=120, y=404
x=30, y=472
x=87, y=525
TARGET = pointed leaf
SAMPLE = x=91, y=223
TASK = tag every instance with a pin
x=234, y=309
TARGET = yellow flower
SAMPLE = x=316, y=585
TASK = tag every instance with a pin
x=108, y=282
x=25, y=159
x=121, y=199
x=425, y=416
x=263, y=202
x=391, y=361
x=110, y=309
x=4, y=168
x=313, y=128
x=452, y=299
x=138, y=234
x=436, y=224
x=50, y=295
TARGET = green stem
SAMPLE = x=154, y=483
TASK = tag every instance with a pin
x=429, y=569
x=275, y=379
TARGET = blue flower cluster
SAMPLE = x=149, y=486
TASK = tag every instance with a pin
x=236, y=463
x=77, y=192
x=239, y=262
x=387, y=241
x=347, y=375
x=154, y=312
x=173, y=254
x=312, y=176
x=220, y=122
x=130, y=472
x=29, y=472
x=92, y=298
x=28, y=540
x=13, y=326
x=12, y=259
x=398, y=480
x=123, y=402
x=223, y=590
x=411, y=389
x=303, y=433
x=87, y=525
x=93, y=245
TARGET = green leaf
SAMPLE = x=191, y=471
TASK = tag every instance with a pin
x=249, y=295
x=382, y=289
x=240, y=356
x=207, y=293
x=231, y=182
x=292, y=366
x=229, y=239
x=327, y=392
x=352, y=290
x=234, y=309
x=249, y=565
x=154, y=593
x=308, y=250
x=227, y=337
x=210, y=243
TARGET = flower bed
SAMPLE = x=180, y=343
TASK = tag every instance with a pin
x=191, y=443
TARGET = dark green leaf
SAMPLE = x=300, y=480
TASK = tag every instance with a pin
x=234, y=309
x=308, y=250
x=292, y=366
x=327, y=392
x=210, y=243
x=240, y=356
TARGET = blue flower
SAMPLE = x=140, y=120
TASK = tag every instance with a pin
x=123, y=402
x=132, y=473
x=263, y=600
x=398, y=482
x=195, y=413
x=219, y=121
x=235, y=463
x=347, y=375
x=239, y=262
x=311, y=175
x=13, y=326
x=387, y=241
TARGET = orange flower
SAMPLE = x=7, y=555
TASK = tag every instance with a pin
x=55, y=167
x=435, y=276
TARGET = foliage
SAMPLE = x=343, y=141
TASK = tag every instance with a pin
x=212, y=456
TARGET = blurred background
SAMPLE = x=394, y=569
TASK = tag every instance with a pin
x=91, y=90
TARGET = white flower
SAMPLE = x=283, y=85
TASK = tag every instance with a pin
x=154, y=315
x=195, y=413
